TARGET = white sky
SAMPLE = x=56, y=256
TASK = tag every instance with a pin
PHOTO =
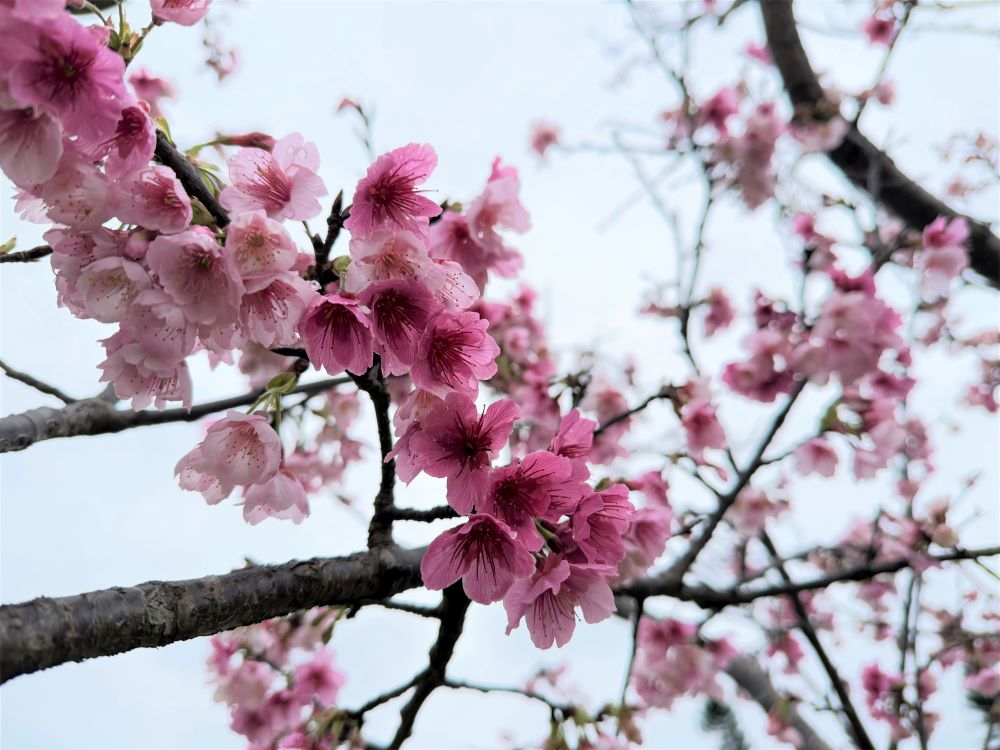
x=468, y=78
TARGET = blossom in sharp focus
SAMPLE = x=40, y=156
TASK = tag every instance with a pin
x=155, y=199
x=335, y=331
x=199, y=275
x=483, y=553
x=283, y=182
x=387, y=196
x=457, y=442
x=282, y=496
x=453, y=354
x=399, y=312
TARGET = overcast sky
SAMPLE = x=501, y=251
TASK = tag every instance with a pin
x=469, y=78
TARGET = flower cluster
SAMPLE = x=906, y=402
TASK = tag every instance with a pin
x=280, y=681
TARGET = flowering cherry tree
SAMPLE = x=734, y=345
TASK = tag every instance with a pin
x=391, y=313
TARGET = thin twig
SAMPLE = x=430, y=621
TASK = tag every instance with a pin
x=35, y=383
x=27, y=256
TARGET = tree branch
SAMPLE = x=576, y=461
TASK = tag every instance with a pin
x=33, y=382
x=856, y=728
x=380, y=527
x=857, y=157
x=46, y=632
x=453, y=608
x=755, y=681
x=27, y=256
x=97, y=416
x=189, y=177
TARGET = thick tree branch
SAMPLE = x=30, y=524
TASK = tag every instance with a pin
x=189, y=177
x=97, y=416
x=46, y=632
x=863, y=163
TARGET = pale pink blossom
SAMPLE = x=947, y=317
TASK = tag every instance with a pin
x=30, y=143
x=453, y=354
x=260, y=246
x=282, y=182
x=139, y=384
x=199, y=275
x=544, y=135
x=282, y=496
x=702, y=427
x=155, y=199
x=815, y=456
x=498, y=206
x=77, y=195
x=150, y=89
x=107, y=286
x=335, y=331
x=457, y=442
x=183, y=12
x=238, y=450
x=483, y=553
x=272, y=307
x=384, y=256
x=318, y=679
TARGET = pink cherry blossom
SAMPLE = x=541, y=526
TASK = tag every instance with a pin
x=400, y=311
x=64, y=69
x=335, y=331
x=140, y=384
x=30, y=143
x=575, y=439
x=107, y=287
x=483, y=553
x=384, y=256
x=282, y=182
x=544, y=135
x=132, y=145
x=282, y=496
x=457, y=442
x=155, y=199
x=718, y=108
x=453, y=354
x=879, y=29
x=77, y=195
x=548, y=600
x=645, y=540
x=720, y=311
x=199, y=275
x=150, y=89
x=528, y=488
x=815, y=456
x=183, y=12
x=272, y=307
x=318, y=679
x=161, y=336
x=387, y=196
x=260, y=246
x=499, y=205
x=240, y=449
x=702, y=428
x=600, y=522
